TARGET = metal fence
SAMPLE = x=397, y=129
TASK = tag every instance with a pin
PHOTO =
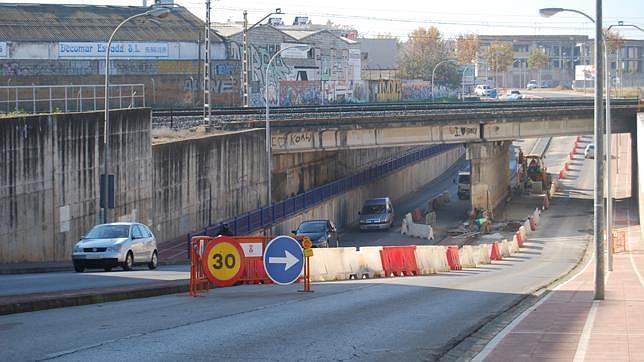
x=266, y=216
x=69, y=98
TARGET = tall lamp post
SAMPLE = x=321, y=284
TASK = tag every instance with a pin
x=245, y=71
x=434, y=73
x=269, y=150
x=599, y=134
x=155, y=12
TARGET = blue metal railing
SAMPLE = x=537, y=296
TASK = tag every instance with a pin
x=266, y=216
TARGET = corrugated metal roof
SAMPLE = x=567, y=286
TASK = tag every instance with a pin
x=300, y=34
x=227, y=30
x=53, y=23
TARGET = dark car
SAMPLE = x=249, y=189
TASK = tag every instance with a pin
x=322, y=233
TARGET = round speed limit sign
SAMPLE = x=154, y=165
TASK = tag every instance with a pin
x=223, y=261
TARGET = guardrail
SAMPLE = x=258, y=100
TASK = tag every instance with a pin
x=69, y=98
x=263, y=217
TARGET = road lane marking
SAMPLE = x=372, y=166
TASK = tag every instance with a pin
x=499, y=337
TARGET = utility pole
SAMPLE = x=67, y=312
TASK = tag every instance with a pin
x=206, y=70
x=599, y=156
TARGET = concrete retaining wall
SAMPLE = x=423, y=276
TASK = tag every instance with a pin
x=344, y=208
x=200, y=181
x=49, y=179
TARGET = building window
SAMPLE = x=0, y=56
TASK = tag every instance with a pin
x=520, y=48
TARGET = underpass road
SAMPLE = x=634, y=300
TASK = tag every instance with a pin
x=408, y=318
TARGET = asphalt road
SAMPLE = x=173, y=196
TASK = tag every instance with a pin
x=409, y=318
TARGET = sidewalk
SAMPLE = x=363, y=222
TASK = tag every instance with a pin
x=568, y=325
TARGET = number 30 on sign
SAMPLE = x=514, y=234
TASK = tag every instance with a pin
x=223, y=261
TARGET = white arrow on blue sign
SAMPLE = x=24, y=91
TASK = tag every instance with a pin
x=283, y=260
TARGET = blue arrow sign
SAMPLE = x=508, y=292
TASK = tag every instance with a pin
x=283, y=260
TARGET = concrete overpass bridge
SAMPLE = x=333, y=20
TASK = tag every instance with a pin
x=488, y=128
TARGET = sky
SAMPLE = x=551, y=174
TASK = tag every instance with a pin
x=398, y=18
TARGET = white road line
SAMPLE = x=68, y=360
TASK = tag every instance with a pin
x=582, y=346
x=499, y=337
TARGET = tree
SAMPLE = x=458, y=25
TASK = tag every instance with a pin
x=420, y=54
x=614, y=40
x=499, y=56
x=537, y=59
x=467, y=46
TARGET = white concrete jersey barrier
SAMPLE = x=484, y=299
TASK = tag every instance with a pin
x=505, y=248
x=370, y=262
x=482, y=254
x=329, y=264
x=416, y=230
x=466, y=256
x=431, y=259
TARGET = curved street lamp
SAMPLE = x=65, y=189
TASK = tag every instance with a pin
x=599, y=149
x=434, y=72
x=269, y=196
x=156, y=12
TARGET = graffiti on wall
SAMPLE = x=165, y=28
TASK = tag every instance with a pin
x=416, y=89
x=385, y=90
x=46, y=68
x=299, y=93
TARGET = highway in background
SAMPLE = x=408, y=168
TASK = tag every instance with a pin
x=410, y=318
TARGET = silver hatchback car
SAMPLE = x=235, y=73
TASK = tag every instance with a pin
x=110, y=245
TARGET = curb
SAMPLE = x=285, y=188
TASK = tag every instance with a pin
x=41, y=301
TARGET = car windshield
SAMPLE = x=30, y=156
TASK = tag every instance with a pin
x=108, y=232
x=373, y=209
x=312, y=227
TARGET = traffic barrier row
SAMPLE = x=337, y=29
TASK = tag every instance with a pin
x=329, y=264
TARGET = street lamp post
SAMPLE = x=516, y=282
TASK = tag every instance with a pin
x=434, y=72
x=158, y=12
x=245, y=68
x=462, y=83
x=269, y=196
x=599, y=149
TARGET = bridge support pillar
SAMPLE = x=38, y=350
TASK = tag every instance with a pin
x=490, y=173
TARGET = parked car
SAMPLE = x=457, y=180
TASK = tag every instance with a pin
x=513, y=95
x=589, y=151
x=376, y=214
x=109, y=245
x=532, y=84
x=322, y=233
x=484, y=90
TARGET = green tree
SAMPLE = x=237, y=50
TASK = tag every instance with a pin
x=467, y=47
x=419, y=55
x=537, y=59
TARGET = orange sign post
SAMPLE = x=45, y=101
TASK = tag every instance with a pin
x=308, y=253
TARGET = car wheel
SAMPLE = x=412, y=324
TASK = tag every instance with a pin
x=129, y=261
x=79, y=268
x=108, y=269
x=154, y=262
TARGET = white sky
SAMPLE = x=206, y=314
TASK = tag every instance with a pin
x=398, y=18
